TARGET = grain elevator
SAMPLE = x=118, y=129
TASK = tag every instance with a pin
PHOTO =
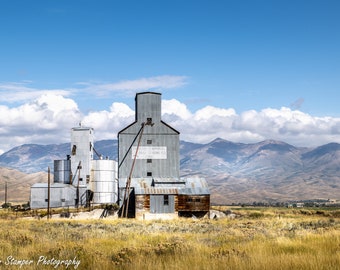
x=149, y=168
x=79, y=180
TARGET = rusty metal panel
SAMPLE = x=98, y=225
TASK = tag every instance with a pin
x=193, y=203
x=156, y=191
x=139, y=200
x=176, y=203
x=147, y=202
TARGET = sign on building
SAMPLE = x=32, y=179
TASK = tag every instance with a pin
x=149, y=152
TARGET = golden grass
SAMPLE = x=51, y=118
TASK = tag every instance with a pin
x=272, y=239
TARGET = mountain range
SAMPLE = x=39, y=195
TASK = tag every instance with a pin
x=268, y=171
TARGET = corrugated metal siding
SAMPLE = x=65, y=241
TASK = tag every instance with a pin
x=82, y=138
x=157, y=204
x=158, y=167
x=61, y=195
x=148, y=105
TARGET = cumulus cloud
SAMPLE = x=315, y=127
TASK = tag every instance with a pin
x=108, y=123
x=49, y=118
x=173, y=110
x=284, y=124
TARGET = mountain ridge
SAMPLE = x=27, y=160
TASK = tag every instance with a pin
x=236, y=172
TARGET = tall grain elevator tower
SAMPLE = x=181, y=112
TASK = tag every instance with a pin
x=81, y=154
x=158, y=153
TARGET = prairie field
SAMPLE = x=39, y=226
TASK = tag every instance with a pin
x=254, y=238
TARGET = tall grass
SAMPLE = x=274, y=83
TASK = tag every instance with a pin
x=269, y=240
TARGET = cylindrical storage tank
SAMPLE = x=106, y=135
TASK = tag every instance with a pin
x=104, y=181
x=62, y=171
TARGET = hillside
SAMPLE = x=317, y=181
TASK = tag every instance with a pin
x=236, y=172
x=18, y=184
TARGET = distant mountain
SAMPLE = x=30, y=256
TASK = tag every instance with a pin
x=266, y=171
x=236, y=172
x=32, y=158
x=18, y=184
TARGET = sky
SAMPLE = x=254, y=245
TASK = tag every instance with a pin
x=241, y=70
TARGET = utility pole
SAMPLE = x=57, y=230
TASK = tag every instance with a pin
x=6, y=193
x=48, y=193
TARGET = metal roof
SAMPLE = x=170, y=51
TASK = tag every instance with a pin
x=55, y=185
x=167, y=181
x=186, y=186
x=194, y=191
x=155, y=191
x=45, y=185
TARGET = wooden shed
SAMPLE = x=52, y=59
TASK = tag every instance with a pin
x=161, y=198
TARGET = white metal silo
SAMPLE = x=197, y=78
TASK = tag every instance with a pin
x=62, y=171
x=104, y=182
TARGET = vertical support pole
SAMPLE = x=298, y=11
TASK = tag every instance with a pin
x=78, y=197
x=128, y=183
x=48, y=193
x=6, y=193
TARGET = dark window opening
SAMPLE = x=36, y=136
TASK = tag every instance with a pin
x=74, y=150
x=166, y=199
x=197, y=200
x=149, y=160
x=149, y=121
x=149, y=174
x=149, y=141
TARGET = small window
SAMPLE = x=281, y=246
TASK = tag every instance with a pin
x=63, y=200
x=149, y=174
x=166, y=199
x=149, y=160
x=74, y=150
x=149, y=121
x=197, y=200
x=149, y=141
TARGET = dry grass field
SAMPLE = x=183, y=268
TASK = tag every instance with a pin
x=266, y=238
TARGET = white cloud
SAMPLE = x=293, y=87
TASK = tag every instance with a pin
x=48, y=119
x=108, y=123
x=173, y=109
x=209, y=112
x=45, y=120
x=292, y=126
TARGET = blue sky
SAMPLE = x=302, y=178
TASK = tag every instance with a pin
x=241, y=55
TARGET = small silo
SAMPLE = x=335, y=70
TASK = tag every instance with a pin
x=62, y=171
x=104, y=183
